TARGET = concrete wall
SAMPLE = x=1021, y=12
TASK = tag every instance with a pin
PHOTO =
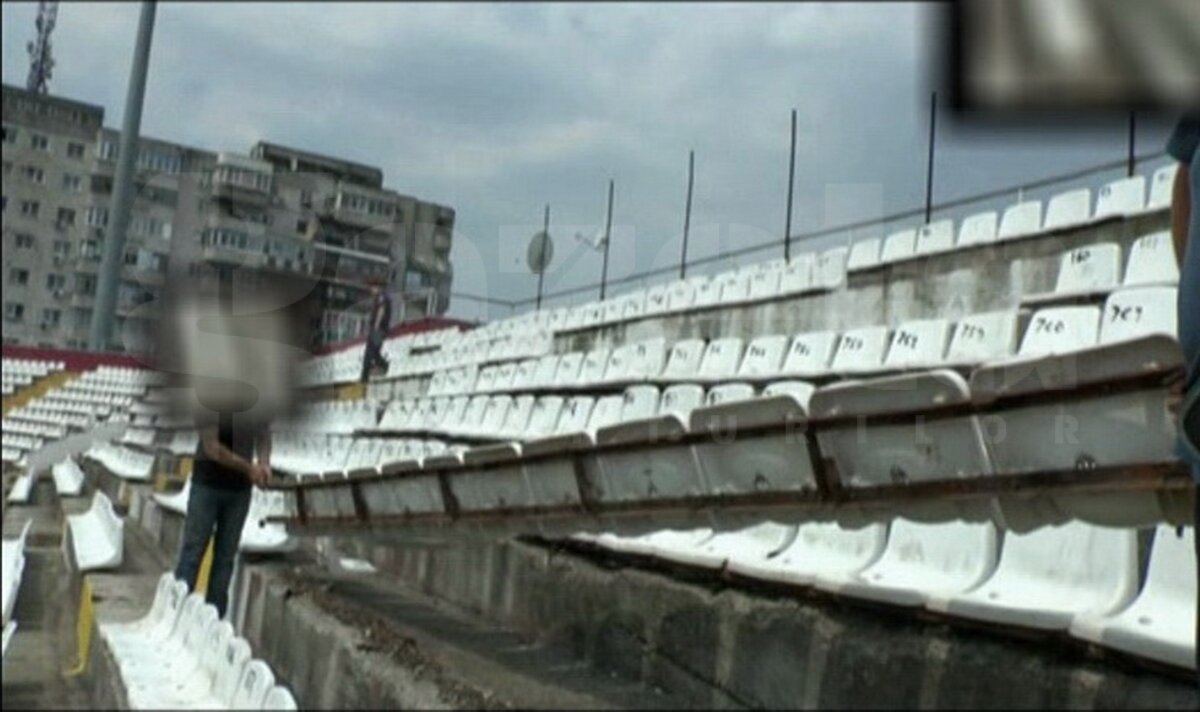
x=729, y=647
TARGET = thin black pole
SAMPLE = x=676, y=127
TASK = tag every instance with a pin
x=687, y=214
x=607, y=241
x=1132, y=161
x=787, y=225
x=542, y=259
x=929, y=165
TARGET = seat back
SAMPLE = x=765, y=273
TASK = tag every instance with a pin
x=487, y=379
x=525, y=375
x=681, y=400
x=1021, y=219
x=544, y=418
x=257, y=679
x=860, y=349
x=1068, y=208
x=728, y=393
x=935, y=237
x=708, y=293
x=279, y=698
x=1130, y=313
x=684, y=358
x=863, y=254
x=764, y=356
x=575, y=415
x=721, y=358
x=231, y=664
x=519, y=413
x=1162, y=183
x=918, y=343
x=495, y=413
x=215, y=640
x=799, y=390
x=476, y=412
x=646, y=358
x=605, y=412
x=797, y=275
x=681, y=294
x=1090, y=268
x=639, y=402
x=764, y=282
x=594, y=365
x=1152, y=261
x=1060, y=329
x=983, y=337
x=734, y=286
x=657, y=299
x=830, y=269
x=811, y=352
x=568, y=369
x=898, y=246
x=1171, y=575
x=1122, y=197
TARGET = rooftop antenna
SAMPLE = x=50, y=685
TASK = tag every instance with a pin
x=41, y=63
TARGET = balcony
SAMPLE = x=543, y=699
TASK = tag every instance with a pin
x=149, y=277
x=233, y=256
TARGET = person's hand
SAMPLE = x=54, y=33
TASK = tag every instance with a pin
x=259, y=474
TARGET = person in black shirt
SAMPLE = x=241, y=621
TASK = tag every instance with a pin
x=223, y=477
x=377, y=329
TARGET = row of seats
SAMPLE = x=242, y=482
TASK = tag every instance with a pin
x=123, y=462
x=1096, y=268
x=919, y=344
x=258, y=535
x=306, y=453
x=180, y=655
x=1073, y=577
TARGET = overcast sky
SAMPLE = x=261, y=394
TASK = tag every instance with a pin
x=498, y=109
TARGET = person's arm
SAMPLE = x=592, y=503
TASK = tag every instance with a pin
x=1181, y=210
x=214, y=450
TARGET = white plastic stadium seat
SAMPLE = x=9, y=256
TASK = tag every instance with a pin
x=1086, y=270
x=898, y=246
x=753, y=544
x=921, y=560
x=797, y=276
x=1020, y=220
x=279, y=698
x=935, y=237
x=819, y=549
x=1049, y=576
x=97, y=535
x=1068, y=209
x=763, y=358
x=809, y=355
x=68, y=478
x=1121, y=198
x=1160, y=623
x=864, y=254
x=1161, y=185
x=721, y=359
x=683, y=360
x=831, y=268
x=13, y=562
x=860, y=350
x=977, y=229
x=917, y=344
x=1152, y=261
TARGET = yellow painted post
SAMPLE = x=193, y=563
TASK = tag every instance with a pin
x=185, y=467
x=205, y=569
x=83, y=631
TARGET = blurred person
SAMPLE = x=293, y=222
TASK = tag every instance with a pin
x=1185, y=231
x=377, y=329
x=223, y=477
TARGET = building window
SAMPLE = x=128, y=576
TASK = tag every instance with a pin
x=62, y=248
x=107, y=150
x=39, y=142
x=55, y=281
x=130, y=258
x=14, y=311
x=10, y=135
x=66, y=217
x=30, y=208
x=97, y=216
x=18, y=276
x=72, y=183
x=86, y=284
x=33, y=174
x=24, y=241
x=51, y=317
x=75, y=150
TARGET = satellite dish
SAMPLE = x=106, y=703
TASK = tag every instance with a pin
x=540, y=252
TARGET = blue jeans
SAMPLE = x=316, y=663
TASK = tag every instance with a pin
x=210, y=507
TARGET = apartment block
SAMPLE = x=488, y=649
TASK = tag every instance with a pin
x=274, y=209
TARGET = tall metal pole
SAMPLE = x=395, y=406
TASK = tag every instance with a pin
x=687, y=214
x=545, y=243
x=1132, y=161
x=787, y=225
x=607, y=240
x=929, y=165
x=100, y=335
